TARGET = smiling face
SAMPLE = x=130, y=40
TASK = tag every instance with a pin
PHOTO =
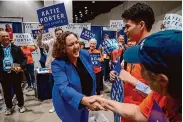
x=92, y=44
x=120, y=41
x=72, y=46
x=4, y=38
x=133, y=30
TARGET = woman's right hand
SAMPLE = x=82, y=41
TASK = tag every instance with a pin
x=90, y=103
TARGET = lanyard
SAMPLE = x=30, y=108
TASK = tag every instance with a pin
x=8, y=60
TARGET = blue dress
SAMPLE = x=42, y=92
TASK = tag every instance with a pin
x=67, y=90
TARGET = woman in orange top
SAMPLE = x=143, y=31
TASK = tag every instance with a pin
x=97, y=69
x=29, y=70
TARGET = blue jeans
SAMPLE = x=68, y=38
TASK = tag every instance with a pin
x=29, y=74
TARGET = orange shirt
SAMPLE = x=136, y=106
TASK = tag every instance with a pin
x=116, y=53
x=97, y=68
x=27, y=50
x=130, y=95
x=148, y=102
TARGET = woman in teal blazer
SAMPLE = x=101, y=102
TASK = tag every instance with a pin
x=74, y=79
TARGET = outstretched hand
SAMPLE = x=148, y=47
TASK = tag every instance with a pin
x=100, y=101
x=91, y=104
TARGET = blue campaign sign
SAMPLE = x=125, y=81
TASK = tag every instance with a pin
x=109, y=45
x=95, y=59
x=52, y=16
x=86, y=34
x=117, y=90
x=35, y=33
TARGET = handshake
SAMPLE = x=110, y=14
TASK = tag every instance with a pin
x=95, y=103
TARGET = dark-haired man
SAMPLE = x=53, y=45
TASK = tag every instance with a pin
x=138, y=23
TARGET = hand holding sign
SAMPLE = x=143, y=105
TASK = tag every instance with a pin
x=54, y=15
x=95, y=58
x=86, y=34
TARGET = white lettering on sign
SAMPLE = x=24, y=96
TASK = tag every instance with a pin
x=52, y=17
x=50, y=12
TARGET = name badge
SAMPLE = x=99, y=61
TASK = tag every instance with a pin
x=7, y=64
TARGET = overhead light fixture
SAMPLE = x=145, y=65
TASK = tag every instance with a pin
x=80, y=12
x=86, y=10
x=75, y=15
x=85, y=7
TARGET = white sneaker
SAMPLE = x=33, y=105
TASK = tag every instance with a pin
x=52, y=110
x=8, y=111
x=1, y=97
x=22, y=109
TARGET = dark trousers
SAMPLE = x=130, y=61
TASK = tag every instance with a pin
x=42, y=64
x=29, y=74
x=99, y=82
x=106, y=69
x=12, y=80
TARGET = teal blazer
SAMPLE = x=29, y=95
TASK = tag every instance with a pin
x=67, y=90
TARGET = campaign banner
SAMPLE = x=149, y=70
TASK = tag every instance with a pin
x=109, y=45
x=47, y=36
x=95, y=58
x=108, y=28
x=117, y=24
x=172, y=21
x=36, y=32
x=76, y=28
x=23, y=39
x=86, y=34
x=157, y=114
x=117, y=90
x=8, y=28
x=36, y=57
x=53, y=16
x=28, y=27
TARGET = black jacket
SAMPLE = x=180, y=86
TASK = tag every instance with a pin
x=18, y=57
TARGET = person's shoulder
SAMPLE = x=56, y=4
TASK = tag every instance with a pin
x=60, y=62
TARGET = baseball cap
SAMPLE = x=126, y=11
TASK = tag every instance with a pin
x=160, y=52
